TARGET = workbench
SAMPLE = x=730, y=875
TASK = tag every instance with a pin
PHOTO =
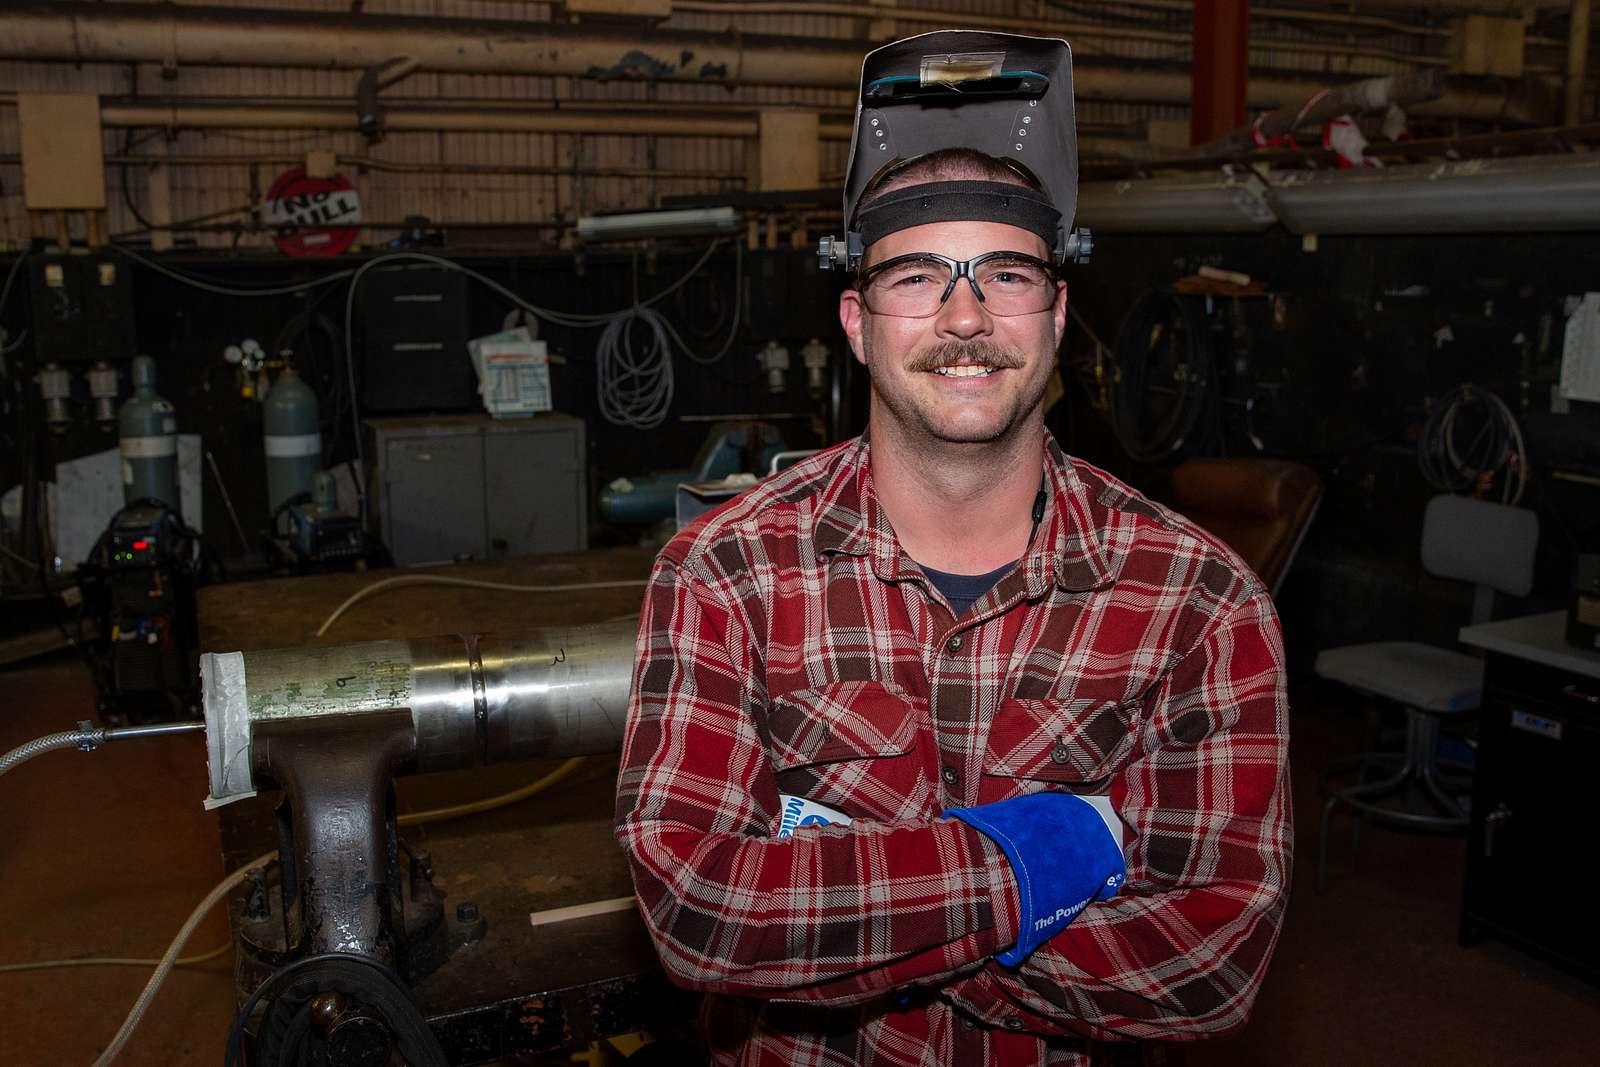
x=522, y=989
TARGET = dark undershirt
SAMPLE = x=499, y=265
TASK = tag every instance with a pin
x=964, y=590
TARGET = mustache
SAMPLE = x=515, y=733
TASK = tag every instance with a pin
x=977, y=352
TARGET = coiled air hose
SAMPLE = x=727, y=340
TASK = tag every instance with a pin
x=1164, y=336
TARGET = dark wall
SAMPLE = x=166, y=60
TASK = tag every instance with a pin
x=186, y=330
x=1341, y=356
x=1368, y=332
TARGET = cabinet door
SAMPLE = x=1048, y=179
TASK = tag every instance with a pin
x=535, y=483
x=434, y=489
x=1531, y=819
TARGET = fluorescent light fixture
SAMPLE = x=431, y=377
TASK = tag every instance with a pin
x=1189, y=203
x=688, y=222
x=1522, y=195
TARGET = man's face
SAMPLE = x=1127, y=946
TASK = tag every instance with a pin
x=910, y=359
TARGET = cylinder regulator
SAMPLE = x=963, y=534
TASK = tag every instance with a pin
x=147, y=429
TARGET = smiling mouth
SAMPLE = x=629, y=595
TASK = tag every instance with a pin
x=966, y=370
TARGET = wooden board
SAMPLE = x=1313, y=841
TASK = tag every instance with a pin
x=287, y=611
x=62, y=164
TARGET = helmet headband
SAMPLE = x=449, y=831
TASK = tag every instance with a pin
x=950, y=201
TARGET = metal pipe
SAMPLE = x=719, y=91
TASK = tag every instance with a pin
x=1577, y=63
x=981, y=20
x=1143, y=84
x=1525, y=195
x=132, y=33
x=1374, y=94
x=472, y=700
x=387, y=167
x=397, y=120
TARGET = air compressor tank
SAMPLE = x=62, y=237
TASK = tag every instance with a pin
x=147, y=431
x=291, y=437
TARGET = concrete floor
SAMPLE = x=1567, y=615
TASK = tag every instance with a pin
x=105, y=854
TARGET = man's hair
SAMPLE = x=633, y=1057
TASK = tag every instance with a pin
x=949, y=165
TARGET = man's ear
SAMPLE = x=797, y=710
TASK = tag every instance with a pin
x=851, y=317
x=1058, y=314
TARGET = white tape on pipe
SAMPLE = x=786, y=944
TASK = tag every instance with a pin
x=227, y=709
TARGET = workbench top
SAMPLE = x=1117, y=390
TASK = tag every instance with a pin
x=551, y=851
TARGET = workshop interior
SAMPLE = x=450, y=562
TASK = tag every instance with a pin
x=357, y=360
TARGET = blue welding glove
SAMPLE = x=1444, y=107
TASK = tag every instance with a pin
x=1063, y=854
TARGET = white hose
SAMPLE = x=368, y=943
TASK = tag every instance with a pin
x=223, y=888
x=471, y=583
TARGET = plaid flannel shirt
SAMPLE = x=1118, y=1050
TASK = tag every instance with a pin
x=788, y=646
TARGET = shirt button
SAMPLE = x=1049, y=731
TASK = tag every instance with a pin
x=1060, y=753
x=968, y=1024
x=950, y=775
x=954, y=644
x=1013, y=1022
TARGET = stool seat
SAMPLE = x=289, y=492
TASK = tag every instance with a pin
x=1414, y=675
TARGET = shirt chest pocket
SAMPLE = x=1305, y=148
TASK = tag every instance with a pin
x=854, y=747
x=1076, y=743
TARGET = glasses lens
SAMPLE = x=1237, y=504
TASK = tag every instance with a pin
x=910, y=287
x=1015, y=286
x=915, y=287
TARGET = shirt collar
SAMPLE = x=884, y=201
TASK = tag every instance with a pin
x=1067, y=551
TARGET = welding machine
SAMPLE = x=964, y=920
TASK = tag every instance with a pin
x=138, y=584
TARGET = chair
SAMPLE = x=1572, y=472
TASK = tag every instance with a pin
x=1492, y=546
x=1261, y=508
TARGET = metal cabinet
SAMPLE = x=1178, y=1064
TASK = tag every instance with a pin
x=1538, y=743
x=469, y=485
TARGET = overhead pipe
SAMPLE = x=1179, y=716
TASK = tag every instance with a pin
x=1357, y=98
x=1529, y=194
x=241, y=37
x=465, y=120
x=1055, y=27
x=1577, y=63
x=389, y=167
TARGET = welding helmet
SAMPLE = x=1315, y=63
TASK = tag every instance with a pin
x=1002, y=94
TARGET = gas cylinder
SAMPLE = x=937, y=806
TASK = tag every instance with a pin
x=292, y=439
x=147, y=430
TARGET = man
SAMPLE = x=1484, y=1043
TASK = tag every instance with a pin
x=945, y=747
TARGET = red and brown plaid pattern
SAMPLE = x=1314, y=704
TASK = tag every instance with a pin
x=787, y=646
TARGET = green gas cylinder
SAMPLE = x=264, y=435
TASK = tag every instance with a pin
x=147, y=431
x=291, y=437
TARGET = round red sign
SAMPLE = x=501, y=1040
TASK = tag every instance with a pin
x=312, y=216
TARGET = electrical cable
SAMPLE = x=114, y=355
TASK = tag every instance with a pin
x=471, y=583
x=1496, y=443
x=380, y=989
x=636, y=390
x=170, y=958
x=1166, y=329
x=648, y=394
x=7, y=347
x=127, y=195
x=475, y=807
x=20, y=558
x=114, y=961
x=227, y=290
